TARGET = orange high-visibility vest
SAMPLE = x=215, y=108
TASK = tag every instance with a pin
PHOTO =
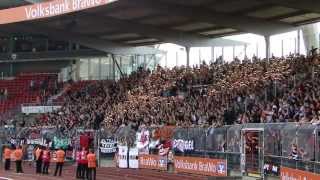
x=60, y=156
x=38, y=152
x=7, y=153
x=91, y=160
x=18, y=154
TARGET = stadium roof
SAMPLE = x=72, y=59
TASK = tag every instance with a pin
x=126, y=23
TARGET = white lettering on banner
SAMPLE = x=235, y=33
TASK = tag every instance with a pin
x=186, y=165
x=183, y=145
x=148, y=162
x=53, y=9
x=108, y=146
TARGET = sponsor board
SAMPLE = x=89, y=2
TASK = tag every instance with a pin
x=295, y=174
x=153, y=162
x=47, y=9
x=203, y=166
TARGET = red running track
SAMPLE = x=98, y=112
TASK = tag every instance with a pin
x=102, y=174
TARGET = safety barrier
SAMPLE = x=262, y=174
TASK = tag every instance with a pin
x=193, y=150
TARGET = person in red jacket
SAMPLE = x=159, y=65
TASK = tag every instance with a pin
x=79, y=165
x=46, y=160
x=84, y=163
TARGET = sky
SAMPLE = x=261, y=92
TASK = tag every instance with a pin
x=176, y=55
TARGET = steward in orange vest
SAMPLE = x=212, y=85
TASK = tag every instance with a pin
x=92, y=165
x=18, y=154
x=60, y=161
x=6, y=156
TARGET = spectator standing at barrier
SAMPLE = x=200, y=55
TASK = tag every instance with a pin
x=46, y=160
x=92, y=165
x=18, y=154
x=6, y=157
x=60, y=161
x=79, y=165
x=5, y=94
x=38, y=158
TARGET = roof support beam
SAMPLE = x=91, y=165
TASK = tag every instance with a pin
x=166, y=35
x=307, y=5
x=242, y=23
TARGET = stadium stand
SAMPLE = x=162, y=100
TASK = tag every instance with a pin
x=26, y=88
x=210, y=95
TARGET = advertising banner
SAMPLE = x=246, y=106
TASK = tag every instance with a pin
x=47, y=9
x=203, y=166
x=153, y=162
x=289, y=173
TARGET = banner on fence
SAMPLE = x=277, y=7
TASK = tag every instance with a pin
x=60, y=142
x=38, y=109
x=108, y=145
x=183, y=145
x=203, y=166
x=123, y=157
x=142, y=141
x=289, y=173
x=133, y=158
x=153, y=162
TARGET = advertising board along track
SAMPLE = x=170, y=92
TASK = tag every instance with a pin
x=47, y=9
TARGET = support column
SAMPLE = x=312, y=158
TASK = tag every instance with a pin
x=295, y=46
x=257, y=50
x=245, y=50
x=144, y=61
x=233, y=52
x=77, y=70
x=199, y=56
x=188, y=56
x=100, y=69
x=113, y=67
x=298, y=41
x=282, y=51
x=89, y=69
x=177, y=58
x=166, y=59
x=267, y=39
x=222, y=53
x=212, y=54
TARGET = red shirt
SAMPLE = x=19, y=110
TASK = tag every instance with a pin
x=83, y=157
x=78, y=157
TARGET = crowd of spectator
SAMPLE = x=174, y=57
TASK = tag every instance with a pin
x=215, y=94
